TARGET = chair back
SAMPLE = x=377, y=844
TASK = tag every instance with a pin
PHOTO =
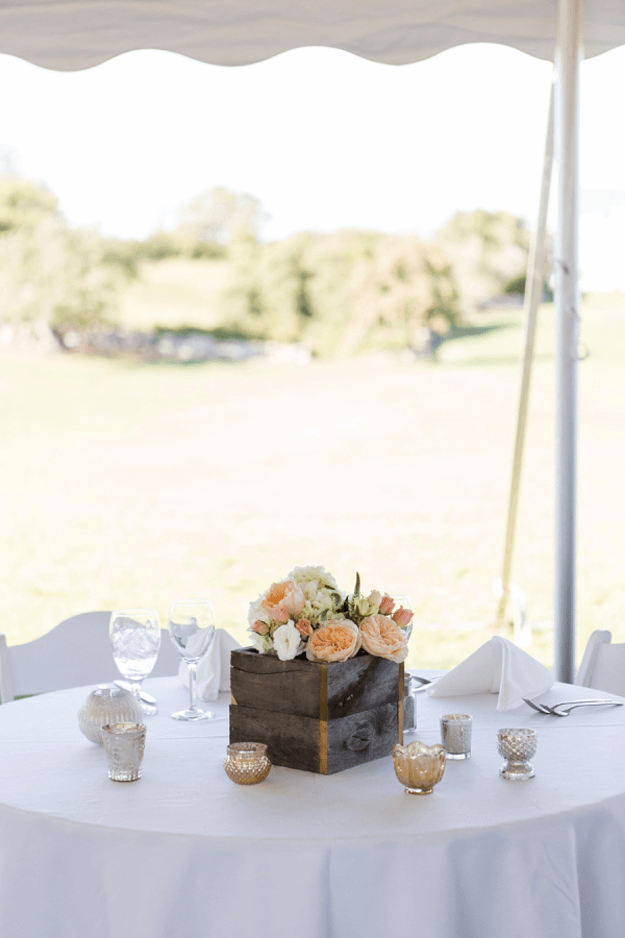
x=76, y=652
x=603, y=664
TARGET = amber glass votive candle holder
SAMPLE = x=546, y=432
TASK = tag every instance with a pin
x=247, y=763
x=456, y=735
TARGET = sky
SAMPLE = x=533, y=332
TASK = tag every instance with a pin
x=324, y=139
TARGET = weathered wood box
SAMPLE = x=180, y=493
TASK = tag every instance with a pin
x=319, y=717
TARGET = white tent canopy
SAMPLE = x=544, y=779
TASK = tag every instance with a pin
x=75, y=34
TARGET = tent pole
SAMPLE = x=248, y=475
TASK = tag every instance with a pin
x=566, y=333
x=533, y=294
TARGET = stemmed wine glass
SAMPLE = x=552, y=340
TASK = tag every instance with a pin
x=191, y=628
x=136, y=638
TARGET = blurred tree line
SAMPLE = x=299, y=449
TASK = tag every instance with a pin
x=340, y=292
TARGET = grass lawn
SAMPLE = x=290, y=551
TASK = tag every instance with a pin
x=132, y=484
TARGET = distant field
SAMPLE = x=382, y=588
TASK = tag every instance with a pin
x=129, y=484
x=173, y=293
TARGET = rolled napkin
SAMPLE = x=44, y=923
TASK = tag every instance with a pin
x=213, y=670
x=500, y=667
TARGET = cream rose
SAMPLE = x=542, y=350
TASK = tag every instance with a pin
x=383, y=638
x=335, y=641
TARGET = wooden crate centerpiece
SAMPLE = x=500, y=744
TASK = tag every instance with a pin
x=317, y=716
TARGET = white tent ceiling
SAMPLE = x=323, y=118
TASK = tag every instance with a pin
x=75, y=34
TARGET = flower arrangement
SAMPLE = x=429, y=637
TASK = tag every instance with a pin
x=307, y=612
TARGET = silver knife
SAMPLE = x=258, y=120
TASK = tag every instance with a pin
x=142, y=694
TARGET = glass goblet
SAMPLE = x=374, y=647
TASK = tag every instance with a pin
x=136, y=639
x=191, y=629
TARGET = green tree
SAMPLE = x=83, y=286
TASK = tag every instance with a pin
x=49, y=272
x=23, y=204
x=216, y=216
x=341, y=292
x=486, y=250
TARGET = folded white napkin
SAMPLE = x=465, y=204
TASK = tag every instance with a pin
x=500, y=667
x=213, y=670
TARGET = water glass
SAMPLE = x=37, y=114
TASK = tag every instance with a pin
x=136, y=639
x=191, y=629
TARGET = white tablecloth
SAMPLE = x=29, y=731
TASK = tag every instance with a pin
x=184, y=852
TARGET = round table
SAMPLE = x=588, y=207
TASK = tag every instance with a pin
x=184, y=852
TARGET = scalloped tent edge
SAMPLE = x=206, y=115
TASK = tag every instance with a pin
x=76, y=34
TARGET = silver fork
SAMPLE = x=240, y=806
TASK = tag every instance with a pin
x=564, y=708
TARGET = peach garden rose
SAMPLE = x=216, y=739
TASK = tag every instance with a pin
x=384, y=638
x=335, y=641
x=283, y=601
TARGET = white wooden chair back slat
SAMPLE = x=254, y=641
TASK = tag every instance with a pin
x=77, y=652
x=603, y=664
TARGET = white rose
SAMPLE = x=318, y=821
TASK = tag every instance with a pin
x=287, y=641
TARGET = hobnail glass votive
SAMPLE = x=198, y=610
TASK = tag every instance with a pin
x=247, y=763
x=456, y=735
x=419, y=767
x=517, y=746
x=124, y=745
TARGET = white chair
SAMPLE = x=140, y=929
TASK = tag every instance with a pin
x=603, y=664
x=77, y=652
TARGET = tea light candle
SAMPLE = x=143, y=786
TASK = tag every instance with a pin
x=456, y=735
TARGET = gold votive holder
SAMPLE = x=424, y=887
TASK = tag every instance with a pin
x=247, y=763
x=419, y=767
x=124, y=745
x=456, y=735
x=517, y=746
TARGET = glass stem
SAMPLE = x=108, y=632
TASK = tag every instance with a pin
x=192, y=669
x=136, y=690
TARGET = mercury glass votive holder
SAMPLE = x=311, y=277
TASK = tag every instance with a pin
x=456, y=735
x=419, y=767
x=124, y=745
x=107, y=705
x=517, y=746
x=247, y=763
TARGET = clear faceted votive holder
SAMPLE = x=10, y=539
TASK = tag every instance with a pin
x=517, y=746
x=124, y=745
x=456, y=735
